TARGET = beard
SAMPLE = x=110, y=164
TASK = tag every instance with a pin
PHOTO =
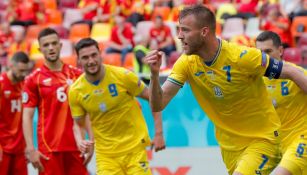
x=17, y=78
x=92, y=73
x=194, y=46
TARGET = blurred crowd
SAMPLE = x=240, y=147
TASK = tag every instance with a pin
x=127, y=29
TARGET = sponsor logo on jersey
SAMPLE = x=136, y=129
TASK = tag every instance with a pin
x=47, y=82
x=7, y=93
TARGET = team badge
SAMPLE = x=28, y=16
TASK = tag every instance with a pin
x=7, y=94
x=103, y=107
x=218, y=92
x=144, y=165
x=47, y=82
x=25, y=97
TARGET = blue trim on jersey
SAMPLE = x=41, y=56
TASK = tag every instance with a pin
x=96, y=82
x=175, y=81
x=274, y=69
x=209, y=63
x=263, y=60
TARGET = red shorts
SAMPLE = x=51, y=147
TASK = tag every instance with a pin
x=13, y=164
x=63, y=163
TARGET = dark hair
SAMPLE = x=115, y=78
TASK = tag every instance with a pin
x=85, y=42
x=268, y=35
x=46, y=32
x=203, y=15
x=20, y=57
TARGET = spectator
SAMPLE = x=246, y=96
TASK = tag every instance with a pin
x=246, y=8
x=121, y=40
x=106, y=11
x=19, y=44
x=27, y=13
x=301, y=12
x=275, y=22
x=161, y=37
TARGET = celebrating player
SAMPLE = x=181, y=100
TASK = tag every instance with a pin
x=226, y=80
x=107, y=94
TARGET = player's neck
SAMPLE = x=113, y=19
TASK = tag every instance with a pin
x=54, y=66
x=96, y=77
x=209, y=51
x=11, y=77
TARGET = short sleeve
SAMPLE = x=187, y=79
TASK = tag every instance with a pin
x=132, y=83
x=75, y=107
x=30, y=95
x=179, y=72
x=253, y=61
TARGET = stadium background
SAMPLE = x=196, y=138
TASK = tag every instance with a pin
x=189, y=134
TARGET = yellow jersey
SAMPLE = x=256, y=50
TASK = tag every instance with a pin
x=291, y=106
x=232, y=93
x=116, y=118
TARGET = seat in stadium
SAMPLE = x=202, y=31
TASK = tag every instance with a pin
x=67, y=48
x=143, y=28
x=18, y=30
x=129, y=61
x=71, y=60
x=32, y=33
x=34, y=51
x=101, y=32
x=173, y=26
x=65, y=4
x=293, y=55
x=173, y=58
x=55, y=17
x=3, y=5
x=62, y=31
x=302, y=41
x=162, y=11
x=71, y=16
x=225, y=9
x=233, y=27
x=79, y=31
x=50, y=4
x=298, y=27
x=112, y=59
x=252, y=27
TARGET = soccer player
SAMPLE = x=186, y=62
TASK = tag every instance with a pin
x=12, y=158
x=226, y=80
x=46, y=88
x=107, y=94
x=291, y=106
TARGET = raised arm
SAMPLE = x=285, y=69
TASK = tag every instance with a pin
x=159, y=97
x=295, y=74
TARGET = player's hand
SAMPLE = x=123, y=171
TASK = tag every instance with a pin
x=158, y=143
x=85, y=146
x=33, y=156
x=1, y=155
x=154, y=60
x=88, y=156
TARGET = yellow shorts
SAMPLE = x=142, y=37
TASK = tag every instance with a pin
x=134, y=163
x=260, y=157
x=295, y=157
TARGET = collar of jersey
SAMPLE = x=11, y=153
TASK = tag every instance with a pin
x=216, y=54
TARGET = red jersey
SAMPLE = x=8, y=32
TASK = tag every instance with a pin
x=48, y=90
x=127, y=33
x=11, y=136
x=160, y=34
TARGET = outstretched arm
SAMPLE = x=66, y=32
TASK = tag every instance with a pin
x=295, y=74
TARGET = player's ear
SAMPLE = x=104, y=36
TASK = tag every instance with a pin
x=204, y=31
x=281, y=50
